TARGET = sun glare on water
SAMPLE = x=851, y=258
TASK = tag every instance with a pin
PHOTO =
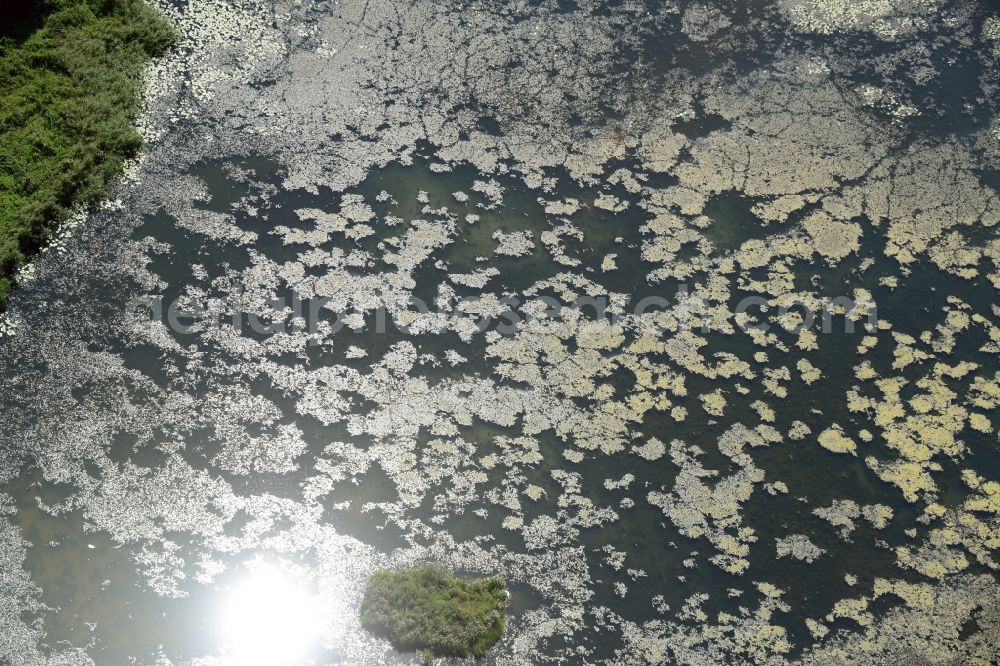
x=271, y=617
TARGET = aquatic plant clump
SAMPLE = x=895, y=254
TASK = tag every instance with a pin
x=427, y=609
x=71, y=92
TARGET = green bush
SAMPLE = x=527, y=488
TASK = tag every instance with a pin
x=427, y=609
x=71, y=90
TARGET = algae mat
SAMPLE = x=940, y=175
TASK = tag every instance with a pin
x=679, y=317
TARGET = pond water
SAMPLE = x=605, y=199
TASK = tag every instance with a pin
x=680, y=318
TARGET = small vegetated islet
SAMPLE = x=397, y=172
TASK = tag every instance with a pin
x=426, y=609
x=71, y=76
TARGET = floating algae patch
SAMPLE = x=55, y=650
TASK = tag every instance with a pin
x=87, y=585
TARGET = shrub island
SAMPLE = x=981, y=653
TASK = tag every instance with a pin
x=427, y=609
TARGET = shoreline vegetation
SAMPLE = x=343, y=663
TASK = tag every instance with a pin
x=428, y=610
x=71, y=76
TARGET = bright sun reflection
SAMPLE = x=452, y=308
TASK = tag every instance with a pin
x=270, y=618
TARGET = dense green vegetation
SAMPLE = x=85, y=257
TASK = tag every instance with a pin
x=70, y=89
x=426, y=608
